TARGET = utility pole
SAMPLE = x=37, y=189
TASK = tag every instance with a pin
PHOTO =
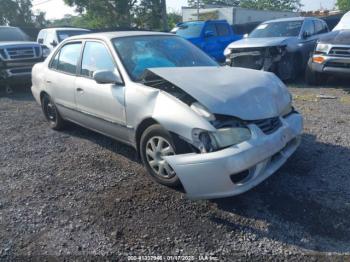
x=164, y=16
x=197, y=9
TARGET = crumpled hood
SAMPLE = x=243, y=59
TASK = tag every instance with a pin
x=341, y=37
x=259, y=42
x=243, y=93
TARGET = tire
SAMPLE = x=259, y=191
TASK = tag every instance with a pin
x=51, y=113
x=313, y=78
x=151, y=155
x=289, y=68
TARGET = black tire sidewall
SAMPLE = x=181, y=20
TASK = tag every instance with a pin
x=152, y=131
x=58, y=123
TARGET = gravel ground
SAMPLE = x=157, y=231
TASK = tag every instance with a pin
x=79, y=194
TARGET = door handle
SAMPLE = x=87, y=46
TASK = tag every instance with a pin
x=48, y=81
x=80, y=90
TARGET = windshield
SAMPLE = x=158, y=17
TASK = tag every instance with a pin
x=344, y=23
x=141, y=52
x=12, y=34
x=277, y=29
x=63, y=34
x=189, y=30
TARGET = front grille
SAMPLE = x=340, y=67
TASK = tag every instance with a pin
x=16, y=53
x=340, y=51
x=268, y=126
x=21, y=70
x=338, y=65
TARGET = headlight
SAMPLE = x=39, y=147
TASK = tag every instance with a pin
x=203, y=140
x=202, y=111
x=208, y=142
x=227, y=51
x=226, y=137
x=322, y=48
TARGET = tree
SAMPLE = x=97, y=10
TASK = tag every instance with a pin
x=193, y=3
x=19, y=13
x=280, y=5
x=173, y=19
x=105, y=13
x=343, y=5
x=151, y=14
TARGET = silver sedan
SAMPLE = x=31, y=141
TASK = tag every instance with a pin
x=218, y=131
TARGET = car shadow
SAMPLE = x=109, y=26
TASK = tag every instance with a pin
x=306, y=203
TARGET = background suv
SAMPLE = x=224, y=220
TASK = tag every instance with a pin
x=332, y=54
x=17, y=56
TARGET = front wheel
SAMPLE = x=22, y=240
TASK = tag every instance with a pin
x=314, y=78
x=51, y=113
x=156, y=143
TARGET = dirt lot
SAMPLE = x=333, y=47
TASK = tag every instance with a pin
x=78, y=193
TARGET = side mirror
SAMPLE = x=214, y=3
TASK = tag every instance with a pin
x=40, y=41
x=107, y=77
x=305, y=35
x=54, y=43
x=209, y=34
x=245, y=35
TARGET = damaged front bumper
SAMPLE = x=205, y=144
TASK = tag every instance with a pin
x=239, y=168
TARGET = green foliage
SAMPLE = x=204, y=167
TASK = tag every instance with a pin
x=343, y=5
x=19, y=13
x=279, y=5
x=173, y=19
x=148, y=14
x=193, y=3
x=105, y=13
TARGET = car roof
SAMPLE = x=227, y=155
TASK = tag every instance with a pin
x=290, y=19
x=65, y=28
x=112, y=35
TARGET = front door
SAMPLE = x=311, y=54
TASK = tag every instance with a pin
x=102, y=106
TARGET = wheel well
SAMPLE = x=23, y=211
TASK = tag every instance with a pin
x=42, y=95
x=146, y=123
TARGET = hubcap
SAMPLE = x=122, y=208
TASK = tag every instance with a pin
x=51, y=111
x=156, y=148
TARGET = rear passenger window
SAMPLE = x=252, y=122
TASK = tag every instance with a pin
x=222, y=30
x=96, y=57
x=68, y=58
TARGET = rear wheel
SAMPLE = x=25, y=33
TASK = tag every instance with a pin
x=51, y=113
x=156, y=143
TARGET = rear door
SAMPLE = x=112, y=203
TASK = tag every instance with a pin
x=102, y=106
x=61, y=77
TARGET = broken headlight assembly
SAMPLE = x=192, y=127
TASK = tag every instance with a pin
x=225, y=137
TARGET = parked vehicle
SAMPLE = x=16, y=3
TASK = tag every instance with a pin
x=219, y=131
x=211, y=36
x=281, y=46
x=17, y=56
x=51, y=37
x=332, y=54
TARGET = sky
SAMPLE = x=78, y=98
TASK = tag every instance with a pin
x=56, y=9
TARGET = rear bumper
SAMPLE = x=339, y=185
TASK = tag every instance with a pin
x=206, y=176
x=332, y=65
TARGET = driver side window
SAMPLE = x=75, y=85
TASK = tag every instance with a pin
x=96, y=57
x=309, y=28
